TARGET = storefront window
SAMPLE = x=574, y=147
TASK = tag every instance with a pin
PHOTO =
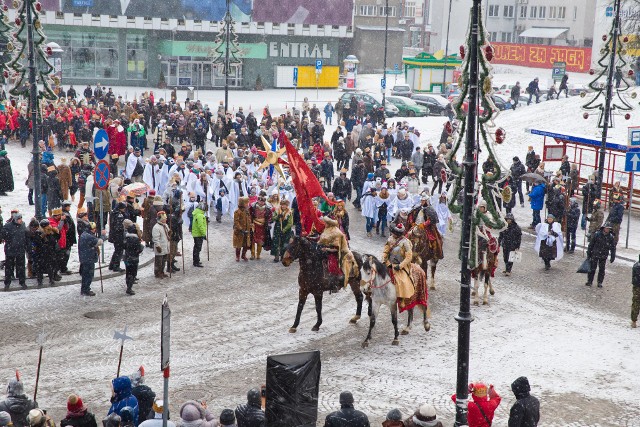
x=199, y=72
x=136, y=57
x=87, y=56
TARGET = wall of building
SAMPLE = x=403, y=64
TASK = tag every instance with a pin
x=368, y=46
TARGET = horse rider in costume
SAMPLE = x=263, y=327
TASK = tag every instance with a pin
x=426, y=217
x=340, y=260
x=486, y=243
x=397, y=255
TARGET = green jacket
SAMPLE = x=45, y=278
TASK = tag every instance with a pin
x=198, y=223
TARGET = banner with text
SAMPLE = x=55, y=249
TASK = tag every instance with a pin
x=578, y=59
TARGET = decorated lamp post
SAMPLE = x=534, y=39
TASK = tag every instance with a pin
x=29, y=36
x=475, y=123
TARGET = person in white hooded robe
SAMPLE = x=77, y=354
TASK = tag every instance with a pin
x=151, y=174
x=549, y=244
x=134, y=169
x=403, y=200
x=441, y=206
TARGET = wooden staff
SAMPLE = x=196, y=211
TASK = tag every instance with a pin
x=100, y=270
x=40, y=340
x=169, y=226
x=206, y=200
x=182, y=242
x=122, y=336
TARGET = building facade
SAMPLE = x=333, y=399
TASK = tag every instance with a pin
x=369, y=31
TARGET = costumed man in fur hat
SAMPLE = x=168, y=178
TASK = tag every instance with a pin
x=340, y=260
x=397, y=255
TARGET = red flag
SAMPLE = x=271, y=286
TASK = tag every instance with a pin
x=307, y=187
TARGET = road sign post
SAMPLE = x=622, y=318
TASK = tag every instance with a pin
x=295, y=87
x=165, y=345
x=396, y=67
x=383, y=85
x=318, y=72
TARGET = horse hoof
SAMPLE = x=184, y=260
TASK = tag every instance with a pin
x=292, y=330
x=492, y=292
x=354, y=319
x=404, y=332
x=427, y=327
x=473, y=293
x=476, y=303
x=485, y=302
x=315, y=328
x=395, y=342
x=365, y=344
x=432, y=288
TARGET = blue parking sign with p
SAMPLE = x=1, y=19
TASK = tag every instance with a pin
x=318, y=64
x=295, y=76
x=383, y=83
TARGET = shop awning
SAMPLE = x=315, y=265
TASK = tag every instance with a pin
x=543, y=33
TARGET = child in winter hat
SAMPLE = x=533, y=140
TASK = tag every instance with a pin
x=5, y=419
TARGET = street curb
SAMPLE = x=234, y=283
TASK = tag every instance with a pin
x=74, y=281
x=528, y=233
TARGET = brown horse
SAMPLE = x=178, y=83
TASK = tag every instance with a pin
x=487, y=263
x=314, y=279
x=426, y=252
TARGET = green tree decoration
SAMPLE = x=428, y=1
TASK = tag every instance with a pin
x=19, y=63
x=220, y=42
x=5, y=35
x=619, y=103
x=489, y=185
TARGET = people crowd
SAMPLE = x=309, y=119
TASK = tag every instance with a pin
x=134, y=404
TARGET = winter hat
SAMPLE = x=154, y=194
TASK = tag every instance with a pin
x=346, y=398
x=5, y=419
x=425, y=414
x=191, y=413
x=394, y=415
x=15, y=387
x=478, y=389
x=36, y=417
x=126, y=224
x=227, y=417
x=112, y=420
x=74, y=403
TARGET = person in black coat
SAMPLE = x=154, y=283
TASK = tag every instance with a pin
x=72, y=238
x=54, y=191
x=509, y=239
x=116, y=234
x=525, y=412
x=77, y=414
x=132, y=250
x=573, y=217
x=175, y=231
x=358, y=177
x=251, y=414
x=429, y=159
x=145, y=395
x=6, y=175
x=589, y=195
x=342, y=186
x=517, y=170
x=14, y=235
x=601, y=245
x=347, y=415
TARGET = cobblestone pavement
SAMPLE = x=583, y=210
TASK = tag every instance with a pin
x=228, y=317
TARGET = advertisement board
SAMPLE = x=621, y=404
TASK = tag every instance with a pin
x=577, y=59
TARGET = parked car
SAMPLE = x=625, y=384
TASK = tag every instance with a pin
x=408, y=107
x=371, y=102
x=502, y=102
x=465, y=104
x=436, y=104
x=401, y=90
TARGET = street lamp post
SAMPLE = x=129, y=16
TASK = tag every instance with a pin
x=33, y=111
x=446, y=53
x=607, y=104
x=464, y=317
x=384, y=69
x=227, y=21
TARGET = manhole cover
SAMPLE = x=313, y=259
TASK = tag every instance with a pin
x=99, y=314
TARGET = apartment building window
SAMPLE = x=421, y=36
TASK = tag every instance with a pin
x=523, y=11
x=410, y=9
x=392, y=11
x=575, y=12
x=493, y=36
x=562, y=12
x=543, y=12
x=367, y=10
x=505, y=37
x=552, y=12
x=534, y=12
x=494, y=10
x=508, y=12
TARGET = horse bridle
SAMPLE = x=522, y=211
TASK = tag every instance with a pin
x=374, y=273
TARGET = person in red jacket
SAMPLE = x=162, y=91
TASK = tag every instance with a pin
x=117, y=139
x=482, y=408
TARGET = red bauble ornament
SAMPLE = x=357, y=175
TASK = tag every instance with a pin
x=462, y=51
x=630, y=73
x=625, y=39
x=6, y=74
x=592, y=71
x=18, y=21
x=15, y=35
x=500, y=135
x=488, y=52
x=38, y=6
x=604, y=38
x=627, y=116
x=49, y=51
x=5, y=8
x=585, y=115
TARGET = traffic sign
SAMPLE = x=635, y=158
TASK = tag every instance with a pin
x=318, y=66
x=559, y=70
x=634, y=137
x=395, y=66
x=295, y=76
x=383, y=83
x=101, y=144
x=632, y=161
x=101, y=175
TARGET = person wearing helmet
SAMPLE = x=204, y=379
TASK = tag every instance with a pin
x=601, y=246
x=509, y=239
x=17, y=405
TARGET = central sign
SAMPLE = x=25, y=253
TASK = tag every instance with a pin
x=299, y=50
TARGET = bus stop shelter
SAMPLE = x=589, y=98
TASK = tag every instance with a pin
x=585, y=152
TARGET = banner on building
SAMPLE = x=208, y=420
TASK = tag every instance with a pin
x=578, y=59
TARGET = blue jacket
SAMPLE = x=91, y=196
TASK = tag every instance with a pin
x=537, y=197
x=328, y=110
x=616, y=213
x=123, y=397
x=87, y=248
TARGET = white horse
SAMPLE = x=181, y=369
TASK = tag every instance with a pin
x=376, y=279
